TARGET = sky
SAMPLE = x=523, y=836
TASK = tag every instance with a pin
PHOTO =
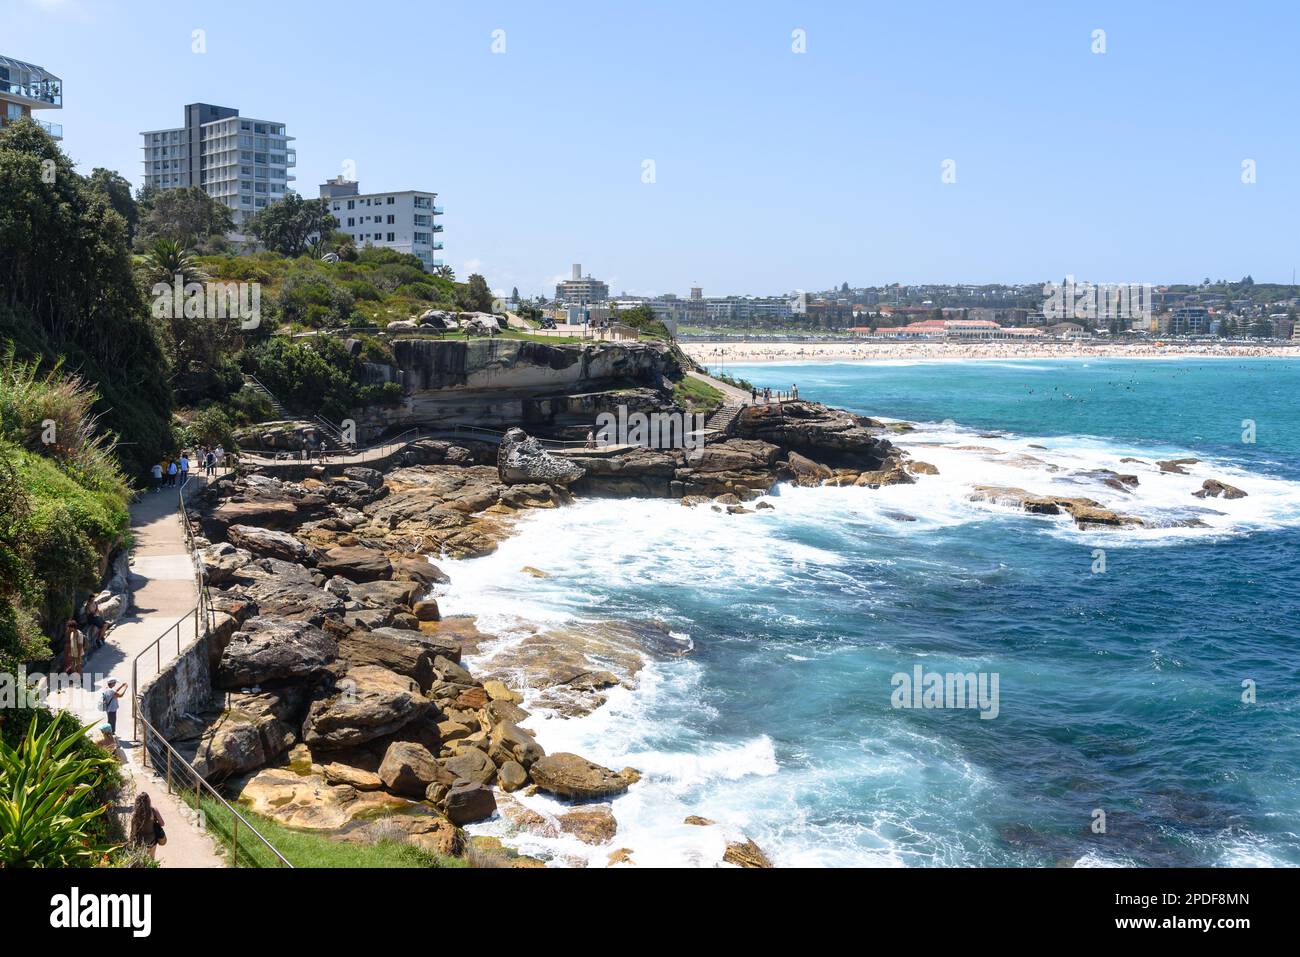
x=670, y=144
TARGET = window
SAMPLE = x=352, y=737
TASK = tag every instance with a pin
x=352, y=220
x=352, y=204
x=391, y=201
x=391, y=237
x=391, y=219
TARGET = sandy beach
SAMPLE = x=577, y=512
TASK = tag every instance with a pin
x=713, y=352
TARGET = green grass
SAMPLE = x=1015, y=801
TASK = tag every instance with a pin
x=307, y=849
x=696, y=395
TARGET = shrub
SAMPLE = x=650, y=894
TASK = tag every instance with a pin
x=51, y=798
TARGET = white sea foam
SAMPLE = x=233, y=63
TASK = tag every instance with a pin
x=598, y=550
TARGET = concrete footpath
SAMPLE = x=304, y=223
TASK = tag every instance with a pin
x=163, y=591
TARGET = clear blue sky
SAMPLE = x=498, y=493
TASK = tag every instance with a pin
x=774, y=170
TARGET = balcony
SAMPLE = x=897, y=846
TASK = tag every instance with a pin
x=437, y=210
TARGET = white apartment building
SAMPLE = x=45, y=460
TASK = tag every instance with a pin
x=25, y=87
x=404, y=220
x=239, y=161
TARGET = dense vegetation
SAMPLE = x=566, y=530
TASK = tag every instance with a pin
x=68, y=291
x=63, y=503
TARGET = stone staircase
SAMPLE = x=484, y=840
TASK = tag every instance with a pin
x=722, y=419
x=253, y=383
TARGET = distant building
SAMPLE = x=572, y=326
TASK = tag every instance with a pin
x=241, y=162
x=404, y=220
x=25, y=87
x=1186, y=321
x=581, y=290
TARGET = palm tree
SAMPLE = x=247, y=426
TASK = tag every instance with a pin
x=445, y=272
x=167, y=259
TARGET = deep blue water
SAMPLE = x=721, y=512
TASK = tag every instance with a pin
x=1120, y=691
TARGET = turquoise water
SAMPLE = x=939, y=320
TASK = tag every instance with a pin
x=1120, y=690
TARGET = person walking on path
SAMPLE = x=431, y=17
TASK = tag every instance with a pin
x=108, y=701
x=146, y=826
x=76, y=648
x=753, y=395
x=591, y=439
x=171, y=474
x=210, y=464
x=794, y=391
x=94, y=623
x=185, y=466
x=157, y=472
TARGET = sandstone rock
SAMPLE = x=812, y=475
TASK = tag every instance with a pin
x=514, y=743
x=268, y=650
x=383, y=594
x=470, y=765
x=308, y=802
x=747, y=854
x=426, y=609
x=807, y=472
x=417, y=568
x=621, y=856
x=355, y=563
x=267, y=543
x=370, y=477
x=892, y=474
x=472, y=699
x=511, y=776
x=1176, y=465
x=497, y=691
x=253, y=731
x=468, y=803
x=368, y=702
x=408, y=769
x=428, y=831
x=699, y=821
x=921, y=468
x=570, y=776
x=409, y=653
x=359, y=778
x=594, y=825
x=1085, y=511
x=521, y=459
x=1213, y=488
x=221, y=561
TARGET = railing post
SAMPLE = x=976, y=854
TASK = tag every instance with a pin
x=169, y=770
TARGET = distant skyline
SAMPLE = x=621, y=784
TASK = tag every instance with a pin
x=773, y=170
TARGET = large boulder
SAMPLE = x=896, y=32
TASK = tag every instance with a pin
x=274, y=651
x=285, y=590
x=221, y=561
x=369, y=702
x=383, y=594
x=408, y=768
x=522, y=460
x=469, y=803
x=570, y=776
x=268, y=543
x=409, y=653
x=253, y=731
x=806, y=471
x=355, y=563
x=509, y=742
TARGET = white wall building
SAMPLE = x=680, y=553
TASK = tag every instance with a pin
x=239, y=161
x=404, y=220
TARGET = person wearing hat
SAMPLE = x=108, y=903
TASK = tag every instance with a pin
x=108, y=700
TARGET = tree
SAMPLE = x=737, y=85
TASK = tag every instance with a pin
x=68, y=290
x=114, y=187
x=514, y=293
x=1262, y=328
x=187, y=216
x=445, y=272
x=476, y=296
x=287, y=225
x=168, y=259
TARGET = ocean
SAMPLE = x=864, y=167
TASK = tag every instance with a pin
x=1148, y=678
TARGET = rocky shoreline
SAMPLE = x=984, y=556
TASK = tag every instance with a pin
x=341, y=698
x=341, y=702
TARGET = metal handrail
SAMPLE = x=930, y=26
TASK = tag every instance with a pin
x=169, y=761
